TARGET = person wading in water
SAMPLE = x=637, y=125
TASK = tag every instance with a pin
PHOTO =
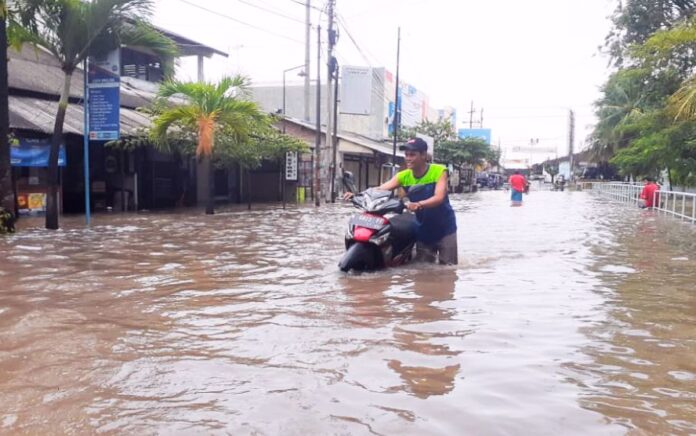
x=437, y=225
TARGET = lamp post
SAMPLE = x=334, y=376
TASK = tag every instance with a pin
x=300, y=74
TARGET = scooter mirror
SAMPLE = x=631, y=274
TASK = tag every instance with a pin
x=349, y=182
x=415, y=189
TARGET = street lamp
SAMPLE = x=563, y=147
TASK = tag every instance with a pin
x=300, y=74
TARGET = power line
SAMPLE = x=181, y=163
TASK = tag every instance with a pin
x=280, y=14
x=219, y=14
x=303, y=4
x=342, y=22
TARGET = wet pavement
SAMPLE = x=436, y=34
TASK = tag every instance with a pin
x=569, y=315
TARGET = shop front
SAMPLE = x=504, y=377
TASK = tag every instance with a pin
x=29, y=159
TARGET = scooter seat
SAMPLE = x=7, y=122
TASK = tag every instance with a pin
x=404, y=227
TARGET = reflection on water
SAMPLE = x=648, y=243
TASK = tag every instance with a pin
x=568, y=315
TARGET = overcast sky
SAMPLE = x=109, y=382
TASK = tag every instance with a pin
x=524, y=62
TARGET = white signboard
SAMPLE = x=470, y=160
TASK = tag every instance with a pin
x=291, y=166
x=356, y=90
x=532, y=149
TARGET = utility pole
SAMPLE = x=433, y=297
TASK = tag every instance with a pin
x=335, y=138
x=306, y=68
x=471, y=115
x=317, y=143
x=571, y=141
x=397, y=111
x=330, y=62
x=481, y=121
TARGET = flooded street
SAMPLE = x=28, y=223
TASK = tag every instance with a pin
x=569, y=315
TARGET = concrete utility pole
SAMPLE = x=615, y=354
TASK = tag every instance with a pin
x=571, y=141
x=317, y=143
x=308, y=30
x=397, y=111
x=330, y=63
x=481, y=120
x=471, y=115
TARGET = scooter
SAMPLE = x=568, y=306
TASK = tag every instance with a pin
x=380, y=236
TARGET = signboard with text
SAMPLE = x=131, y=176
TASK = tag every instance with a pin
x=104, y=81
x=291, y=166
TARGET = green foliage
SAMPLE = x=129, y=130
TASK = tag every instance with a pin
x=636, y=20
x=551, y=169
x=649, y=104
x=440, y=131
x=467, y=151
x=6, y=222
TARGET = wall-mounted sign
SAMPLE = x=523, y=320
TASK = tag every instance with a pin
x=291, y=166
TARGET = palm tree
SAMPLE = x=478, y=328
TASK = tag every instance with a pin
x=208, y=109
x=622, y=104
x=72, y=30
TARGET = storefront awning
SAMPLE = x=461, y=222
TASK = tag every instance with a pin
x=34, y=153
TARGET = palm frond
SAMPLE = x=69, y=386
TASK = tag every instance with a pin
x=682, y=104
x=144, y=37
x=185, y=115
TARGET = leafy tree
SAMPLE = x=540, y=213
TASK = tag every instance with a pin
x=552, y=169
x=72, y=30
x=217, y=123
x=636, y=20
x=466, y=151
x=440, y=131
x=209, y=110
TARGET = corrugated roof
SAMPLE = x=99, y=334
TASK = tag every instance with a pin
x=371, y=144
x=39, y=115
x=36, y=70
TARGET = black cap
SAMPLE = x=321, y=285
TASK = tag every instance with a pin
x=415, y=144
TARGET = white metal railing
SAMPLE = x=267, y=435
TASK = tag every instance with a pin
x=678, y=204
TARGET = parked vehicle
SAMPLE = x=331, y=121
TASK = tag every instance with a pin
x=382, y=235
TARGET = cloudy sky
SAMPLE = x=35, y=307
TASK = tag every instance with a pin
x=526, y=63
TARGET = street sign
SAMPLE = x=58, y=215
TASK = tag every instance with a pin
x=104, y=81
x=291, y=166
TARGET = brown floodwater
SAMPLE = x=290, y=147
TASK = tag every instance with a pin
x=569, y=315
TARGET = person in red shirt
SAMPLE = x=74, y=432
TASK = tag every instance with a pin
x=650, y=193
x=518, y=185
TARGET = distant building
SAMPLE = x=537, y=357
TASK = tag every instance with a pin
x=376, y=124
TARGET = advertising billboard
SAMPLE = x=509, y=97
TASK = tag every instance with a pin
x=356, y=90
x=484, y=134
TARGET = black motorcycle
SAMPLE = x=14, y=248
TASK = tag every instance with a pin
x=382, y=235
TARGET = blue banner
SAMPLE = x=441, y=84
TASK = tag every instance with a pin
x=34, y=153
x=104, y=120
x=104, y=81
x=484, y=134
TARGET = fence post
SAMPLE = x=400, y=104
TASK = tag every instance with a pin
x=683, y=213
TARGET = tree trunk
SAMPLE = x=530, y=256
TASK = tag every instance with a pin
x=56, y=140
x=248, y=177
x=7, y=198
x=210, y=203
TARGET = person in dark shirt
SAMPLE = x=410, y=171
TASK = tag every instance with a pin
x=437, y=226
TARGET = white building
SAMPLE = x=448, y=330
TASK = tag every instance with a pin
x=376, y=98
